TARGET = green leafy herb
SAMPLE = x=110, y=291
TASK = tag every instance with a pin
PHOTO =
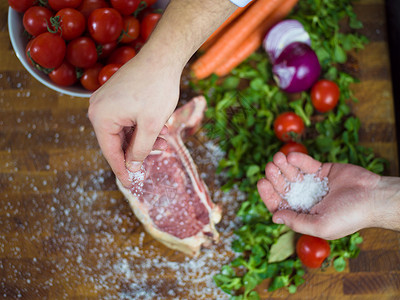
x=242, y=109
x=283, y=248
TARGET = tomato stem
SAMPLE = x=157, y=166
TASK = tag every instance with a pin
x=141, y=7
x=56, y=24
x=28, y=35
x=37, y=66
x=79, y=72
x=99, y=50
x=43, y=3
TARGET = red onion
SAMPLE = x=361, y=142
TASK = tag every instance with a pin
x=297, y=68
x=283, y=34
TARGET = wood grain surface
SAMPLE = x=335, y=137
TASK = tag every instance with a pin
x=67, y=233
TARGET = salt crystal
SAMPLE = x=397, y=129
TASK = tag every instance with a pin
x=303, y=194
x=137, y=178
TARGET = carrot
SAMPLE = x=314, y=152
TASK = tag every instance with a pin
x=248, y=46
x=212, y=38
x=254, y=40
x=236, y=34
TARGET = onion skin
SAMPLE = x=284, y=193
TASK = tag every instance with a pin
x=282, y=35
x=297, y=68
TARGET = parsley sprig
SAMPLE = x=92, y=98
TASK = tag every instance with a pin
x=242, y=109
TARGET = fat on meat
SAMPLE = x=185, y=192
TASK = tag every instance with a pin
x=168, y=196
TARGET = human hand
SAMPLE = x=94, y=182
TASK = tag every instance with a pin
x=144, y=92
x=350, y=205
x=141, y=96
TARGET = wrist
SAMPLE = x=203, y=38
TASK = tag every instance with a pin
x=161, y=55
x=184, y=26
x=387, y=203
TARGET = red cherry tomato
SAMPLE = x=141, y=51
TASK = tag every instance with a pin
x=125, y=7
x=64, y=75
x=288, y=124
x=105, y=25
x=90, y=77
x=60, y=4
x=48, y=50
x=81, y=52
x=148, y=24
x=21, y=5
x=131, y=29
x=144, y=11
x=312, y=251
x=107, y=71
x=121, y=55
x=325, y=95
x=87, y=6
x=106, y=49
x=71, y=23
x=36, y=19
x=293, y=147
x=28, y=49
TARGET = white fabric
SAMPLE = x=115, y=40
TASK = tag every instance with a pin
x=240, y=3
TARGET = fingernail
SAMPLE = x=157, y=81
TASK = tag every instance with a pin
x=155, y=152
x=133, y=166
x=279, y=221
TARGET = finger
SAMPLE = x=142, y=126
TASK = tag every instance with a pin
x=139, y=147
x=268, y=195
x=160, y=143
x=164, y=130
x=304, y=162
x=288, y=170
x=275, y=177
x=159, y=146
x=110, y=145
x=298, y=222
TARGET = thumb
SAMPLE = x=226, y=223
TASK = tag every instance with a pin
x=298, y=222
x=142, y=142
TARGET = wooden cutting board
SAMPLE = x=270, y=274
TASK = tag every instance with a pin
x=66, y=232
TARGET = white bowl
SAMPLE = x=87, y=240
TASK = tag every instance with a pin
x=19, y=42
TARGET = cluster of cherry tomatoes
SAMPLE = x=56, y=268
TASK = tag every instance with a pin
x=288, y=126
x=85, y=40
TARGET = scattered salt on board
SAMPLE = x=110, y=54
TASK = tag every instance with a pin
x=303, y=194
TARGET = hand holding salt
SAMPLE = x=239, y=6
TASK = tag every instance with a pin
x=327, y=200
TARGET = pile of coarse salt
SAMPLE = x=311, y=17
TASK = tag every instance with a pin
x=137, y=179
x=304, y=193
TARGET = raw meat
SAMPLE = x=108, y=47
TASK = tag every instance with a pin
x=168, y=196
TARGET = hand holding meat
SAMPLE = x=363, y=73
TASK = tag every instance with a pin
x=357, y=198
x=130, y=110
x=140, y=96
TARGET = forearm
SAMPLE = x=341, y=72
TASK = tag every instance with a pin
x=185, y=25
x=387, y=203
